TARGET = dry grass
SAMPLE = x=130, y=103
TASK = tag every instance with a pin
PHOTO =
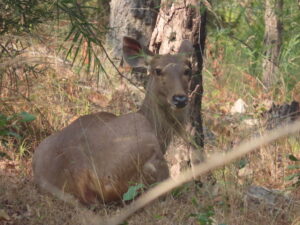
x=57, y=100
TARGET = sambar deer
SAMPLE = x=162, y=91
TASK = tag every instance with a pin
x=98, y=156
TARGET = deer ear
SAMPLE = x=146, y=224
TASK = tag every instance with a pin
x=135, y=54
x=186, y=48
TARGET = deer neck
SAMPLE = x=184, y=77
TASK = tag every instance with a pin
x=164, y=121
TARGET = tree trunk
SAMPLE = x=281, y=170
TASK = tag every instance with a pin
x=176, y=21
x=272, y=42
x=134, y=18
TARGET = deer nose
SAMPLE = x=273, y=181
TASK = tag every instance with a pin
x=180, y=101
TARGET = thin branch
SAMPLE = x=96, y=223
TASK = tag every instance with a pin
x=116, y=68
x=241, y=41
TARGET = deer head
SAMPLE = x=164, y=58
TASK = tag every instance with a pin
x=169, y=74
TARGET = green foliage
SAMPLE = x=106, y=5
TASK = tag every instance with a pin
x=296, y=169
x=132, y=192
x=204, y=214
x=237, y=28
x=26, y=117
x=179, y=191
x=23, y=16
x=10, y=125
x=204, y=217
x=290, y=58
x=22, y=21
x=293, y=158
x=11, y=128
x=242, y=163
x=18, y=16
x=83, y=32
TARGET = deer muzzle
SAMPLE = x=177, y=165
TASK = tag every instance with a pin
x=180, y=101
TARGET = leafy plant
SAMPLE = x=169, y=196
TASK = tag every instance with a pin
x=205, y=217
x=23, y=16
x=10, y=125
x=296, y=174
x=23, y=20
x=132, y=192
x=179, y=191
x=85, y=37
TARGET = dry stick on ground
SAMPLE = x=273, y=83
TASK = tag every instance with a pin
x=215, y=161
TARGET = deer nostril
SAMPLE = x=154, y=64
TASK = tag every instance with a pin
x=180, y=101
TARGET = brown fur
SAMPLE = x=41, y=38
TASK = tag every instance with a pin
x=98, y=156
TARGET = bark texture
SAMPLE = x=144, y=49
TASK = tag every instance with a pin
x=134, y=18
x=176, y=21
x=272, y=41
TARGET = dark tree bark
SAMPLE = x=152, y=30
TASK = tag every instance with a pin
x=176, y=21
x=272, y=42
x=196, y=84
x=134, y=18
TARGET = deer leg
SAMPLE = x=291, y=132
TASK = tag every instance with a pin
x=155, y=169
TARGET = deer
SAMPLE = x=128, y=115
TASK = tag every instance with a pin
x=98, y=156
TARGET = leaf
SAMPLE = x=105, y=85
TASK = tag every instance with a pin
x=14, y=134
x=291, y=177
x=195, y=202
x=293, y=158
x=292, y=167
x=26, y=117
x=77, y=49
x=158, y=217
x=242, y=163
x=3, y=120
x=3, y=132
x=177, y=191
x=9, y=133
x=132, y=192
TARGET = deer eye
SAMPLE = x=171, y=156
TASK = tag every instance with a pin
x=158, y=71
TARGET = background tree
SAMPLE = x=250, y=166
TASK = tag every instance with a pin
x=131, y=18
x=272, y=41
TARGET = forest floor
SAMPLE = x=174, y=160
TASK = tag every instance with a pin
x=223, y=202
